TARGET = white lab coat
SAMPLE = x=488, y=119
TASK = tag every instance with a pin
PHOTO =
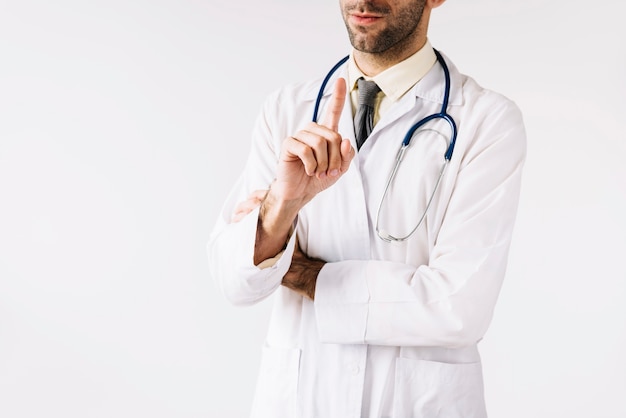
x=394, y=326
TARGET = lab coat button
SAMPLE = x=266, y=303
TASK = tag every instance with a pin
x=355, y=369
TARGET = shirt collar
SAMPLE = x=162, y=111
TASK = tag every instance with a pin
x=395, y=81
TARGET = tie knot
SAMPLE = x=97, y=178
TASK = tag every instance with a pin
x=367, y=92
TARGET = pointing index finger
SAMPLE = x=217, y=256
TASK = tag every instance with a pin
x=335, y=107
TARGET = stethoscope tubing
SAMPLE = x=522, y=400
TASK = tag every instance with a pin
x=320, y=94
x=442, y=114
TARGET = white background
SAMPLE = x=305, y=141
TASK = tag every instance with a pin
x=123, y=125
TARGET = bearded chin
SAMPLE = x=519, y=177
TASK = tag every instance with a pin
x=372, y=44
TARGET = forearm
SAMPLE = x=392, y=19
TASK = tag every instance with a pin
x=387, y=303
x=446, y=301
x=303, y=273
x=231, y=249
x=276, y=218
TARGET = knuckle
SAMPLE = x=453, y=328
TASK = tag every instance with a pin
x=318, y=142
x=336, y=138
x=310, y=126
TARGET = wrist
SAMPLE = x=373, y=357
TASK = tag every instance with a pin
x=276, y=213
x=274, y=227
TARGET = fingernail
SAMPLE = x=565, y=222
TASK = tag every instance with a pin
x=334, y=172
x=323, y=174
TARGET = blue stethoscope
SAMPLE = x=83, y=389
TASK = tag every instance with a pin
x=442, y=114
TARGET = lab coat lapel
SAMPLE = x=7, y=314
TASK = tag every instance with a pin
x=430, y=89
x=405, y=105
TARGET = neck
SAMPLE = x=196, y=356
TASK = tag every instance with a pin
x=372, y=64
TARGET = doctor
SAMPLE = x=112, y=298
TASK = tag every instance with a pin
x=364, y=326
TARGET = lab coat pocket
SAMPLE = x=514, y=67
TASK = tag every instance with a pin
x=430, y=389
x=277, y=385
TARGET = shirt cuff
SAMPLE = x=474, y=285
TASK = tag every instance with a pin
x=270, y=262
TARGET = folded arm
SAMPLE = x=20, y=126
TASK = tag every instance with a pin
x=450, y=300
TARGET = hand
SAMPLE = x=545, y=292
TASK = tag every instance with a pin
x=311, y=161
x=314, y=158
x=248, y=205
x=302, y=274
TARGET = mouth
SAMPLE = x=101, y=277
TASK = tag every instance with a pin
x=365, y=19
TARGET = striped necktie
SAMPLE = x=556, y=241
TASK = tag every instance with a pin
x=364, y=118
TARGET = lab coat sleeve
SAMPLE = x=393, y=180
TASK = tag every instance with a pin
x=231, y=245
x=450, y=301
